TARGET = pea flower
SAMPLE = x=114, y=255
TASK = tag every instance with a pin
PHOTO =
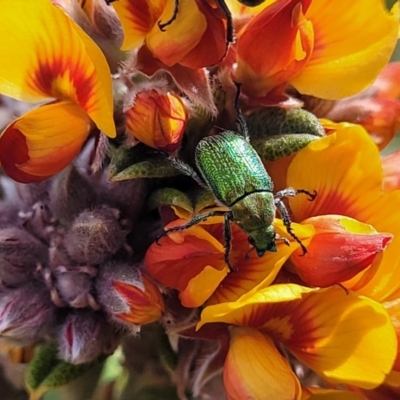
x=57, y=63
x=157, y=119
x=193, y=35
x=313, y=46
x=322, y=328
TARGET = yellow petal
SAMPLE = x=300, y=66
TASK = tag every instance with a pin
x=137, y=19
x=202, y=286
x=342, y=336
x=44, y=141
x=249, y=310
x=255, y=369
x=348, y=180
x=353, y=42
x=51, y=57
x=181, y=36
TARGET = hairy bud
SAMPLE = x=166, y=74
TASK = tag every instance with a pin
x=127, y=295
x=84, y=336
x=95, y=236
x=70, y=194
x=20, y=254
x=26, y=314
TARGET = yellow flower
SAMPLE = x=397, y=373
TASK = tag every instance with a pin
x=325, y=49
x=50, y=58
x=342, y=336
x=193, y=35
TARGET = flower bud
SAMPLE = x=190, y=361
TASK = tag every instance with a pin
x=341, y=248
x=128, y=295
x=95, y=236
x=157, y=120
x=27, y=314
x=84, y=336
x=20, y=254
x=70, y=194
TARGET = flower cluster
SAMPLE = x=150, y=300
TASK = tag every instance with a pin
x=269, y=271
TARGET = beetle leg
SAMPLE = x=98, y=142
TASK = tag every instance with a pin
x=172, y=19
x=195, y=220
x=291, y=192
x=229, y=23
x=228, y=238
x=287, y=221
x=187, y=170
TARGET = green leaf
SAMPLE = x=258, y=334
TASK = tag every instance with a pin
x=170, y=197
x=157, y=168
x=46, y=371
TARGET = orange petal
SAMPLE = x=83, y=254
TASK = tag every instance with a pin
x=335, y=332
x=138, y=18
x=391, y=171
x=353, y=42
x=56, y=59
x=337, y=170
x=145, y=303
x=255, y=369
x=342, y=336
x=324, y=265
x=158, y=120
x=179, y=37
x=213, y=45
x=43, y=142
x=271, y=62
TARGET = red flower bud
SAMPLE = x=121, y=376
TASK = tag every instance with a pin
x=129, y=296
x=341, y=248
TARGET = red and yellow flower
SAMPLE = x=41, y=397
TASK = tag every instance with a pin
x=50, y=59
x=325, y=49
x=157, y=119
x=192, y=35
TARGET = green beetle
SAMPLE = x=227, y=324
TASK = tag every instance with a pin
x=233, y=171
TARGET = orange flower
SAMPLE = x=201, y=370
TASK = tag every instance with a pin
x=324, y=265
x=56, y=60
x=314, y=47
x=348, y=180
x=333, y=332
x=193, y=35
x=158, y=120
x=192, y=262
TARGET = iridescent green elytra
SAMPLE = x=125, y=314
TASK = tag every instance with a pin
x=232, y=170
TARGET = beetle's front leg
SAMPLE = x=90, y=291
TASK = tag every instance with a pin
x=280, y=205
x=195, y=220
x=291, y=192
x=228, y=238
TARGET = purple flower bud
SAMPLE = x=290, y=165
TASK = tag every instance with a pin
x=70, y=193
x=116, y=194
x=73, y=286
x=84, y=336
x=20, y=255
x=27, y=314
x=39, y=221
x=95, y=236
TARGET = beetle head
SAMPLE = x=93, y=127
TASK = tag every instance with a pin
x=263, y=240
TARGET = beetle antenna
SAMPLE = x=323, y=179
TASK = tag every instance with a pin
x=172, y=19
x=244, y=129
